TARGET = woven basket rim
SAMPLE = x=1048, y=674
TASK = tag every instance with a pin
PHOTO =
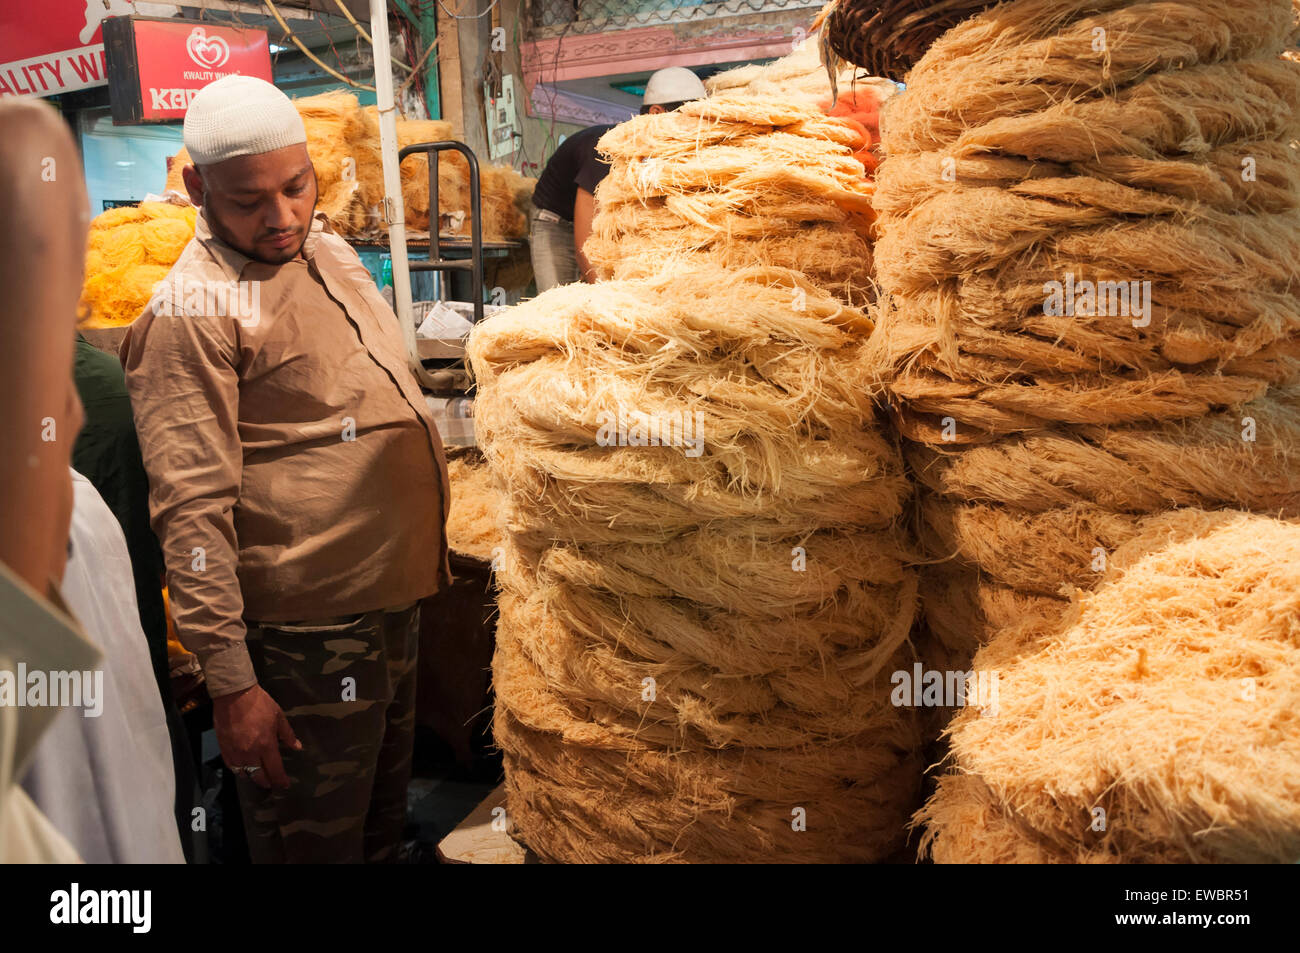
x=889, y=36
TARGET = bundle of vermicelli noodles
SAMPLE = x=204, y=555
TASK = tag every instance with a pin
x=737, y=180
x=1155, y=722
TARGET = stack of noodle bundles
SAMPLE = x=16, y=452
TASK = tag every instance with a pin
x=1089, y=248
x=705, y=586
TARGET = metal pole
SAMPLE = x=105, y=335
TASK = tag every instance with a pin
x=394, y=210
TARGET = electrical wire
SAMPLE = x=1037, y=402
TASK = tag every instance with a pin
x=555, y=81
x=366, y=36
x=415, y=72
x=521, y=112
x=290, y=35
x=493, y=75
x=416, y=81
x=328, y=38
x=476, y=16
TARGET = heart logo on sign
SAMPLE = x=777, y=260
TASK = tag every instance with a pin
x=205, y=50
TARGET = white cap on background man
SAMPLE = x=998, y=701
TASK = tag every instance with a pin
x=671, y=85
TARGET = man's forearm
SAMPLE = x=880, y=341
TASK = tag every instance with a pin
x=585, y=271
x=584, y=213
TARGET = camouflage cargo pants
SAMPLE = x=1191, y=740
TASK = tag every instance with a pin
x=347, y=687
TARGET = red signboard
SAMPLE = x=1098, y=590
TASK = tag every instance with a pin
x=178, y=59
x=158, y=66
x=53, y=46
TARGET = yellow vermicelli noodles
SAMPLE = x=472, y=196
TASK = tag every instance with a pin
x=128, y=251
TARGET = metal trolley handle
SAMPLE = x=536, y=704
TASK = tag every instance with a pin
x=474, y=264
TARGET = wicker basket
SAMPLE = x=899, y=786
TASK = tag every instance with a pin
x=887, y=37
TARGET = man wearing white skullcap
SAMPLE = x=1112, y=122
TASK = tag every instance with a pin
x=298, y=486
x=242, y=117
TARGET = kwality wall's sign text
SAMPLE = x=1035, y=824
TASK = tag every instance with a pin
x=156, y=67
x=49, y=47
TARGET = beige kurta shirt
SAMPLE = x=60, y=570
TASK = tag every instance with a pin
x=294, y=470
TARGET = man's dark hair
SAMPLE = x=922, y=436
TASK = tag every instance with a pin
x=667, y=107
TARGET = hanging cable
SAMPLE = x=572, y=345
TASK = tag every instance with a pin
x=415, y=72
x=366, y=36
x=270, y=5
x=475, y=16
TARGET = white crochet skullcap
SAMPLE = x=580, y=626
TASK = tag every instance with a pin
x=240, y=116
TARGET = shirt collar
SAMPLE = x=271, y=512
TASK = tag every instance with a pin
x=234, y=262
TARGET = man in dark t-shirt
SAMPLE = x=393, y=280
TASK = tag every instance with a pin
x=564, y=201
x=575, y=165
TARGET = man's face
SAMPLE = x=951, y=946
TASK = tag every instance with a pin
x=260, y=205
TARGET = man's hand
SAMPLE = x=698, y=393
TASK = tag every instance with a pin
x=250, y=729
